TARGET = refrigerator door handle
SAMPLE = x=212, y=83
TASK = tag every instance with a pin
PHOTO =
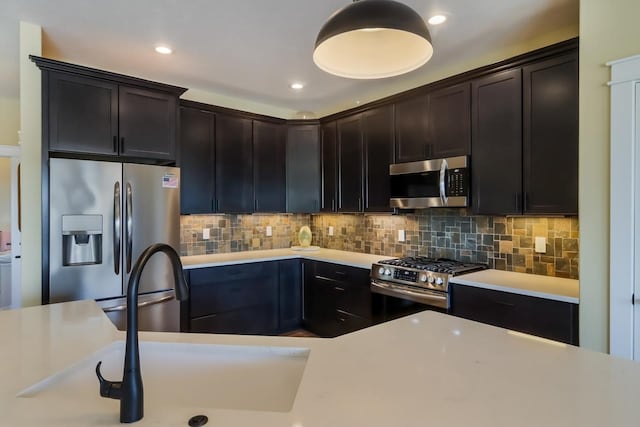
x=129, y=224
x=140, y=305
x=117, y=224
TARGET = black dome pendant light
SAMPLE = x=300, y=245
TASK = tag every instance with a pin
x=372, y=39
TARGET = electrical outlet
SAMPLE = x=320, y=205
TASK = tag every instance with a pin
x=541, y=245
x=205, y=234
x=330, y=230
x=269, y=231
x=401, y=236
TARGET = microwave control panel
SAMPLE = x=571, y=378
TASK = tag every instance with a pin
x=457, y=182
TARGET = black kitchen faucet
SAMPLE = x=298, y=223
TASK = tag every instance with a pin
x=130, y=391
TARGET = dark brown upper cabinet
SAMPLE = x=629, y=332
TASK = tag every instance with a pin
x=378, y=134
x=147, y=124
x=449, y=121
x=550, y=143
x=303, y=169
x=525, y=139
x=234, y=164
x=83, y=114
x=95, y=114
x=329, y=163
x=350, y=170
x=496, y=161
x=197, y=161
x=269, y=175
x=411, y=127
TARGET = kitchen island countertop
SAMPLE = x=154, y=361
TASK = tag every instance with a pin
x=421, y=370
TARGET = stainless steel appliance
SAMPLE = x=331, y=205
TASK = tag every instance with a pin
x=419, y=279
x=430, y=183
x=102, y=216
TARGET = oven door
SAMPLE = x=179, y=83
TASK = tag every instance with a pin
x=438, y=300
x=430, y=183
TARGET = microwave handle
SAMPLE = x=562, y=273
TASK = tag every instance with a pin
x=443, y=189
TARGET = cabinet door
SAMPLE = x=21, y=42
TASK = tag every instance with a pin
x=377, y=126
x=83, y=115
x=350, y=164
x=450, y=121
x=411, y=129
x=290, y=295
x=303, y=169
x=147, y=124
x=496, y=161
x=197, y=162
x=269, y=167
x=234, y=164
x=550, y=161
x=329, y=168
x=551, y=319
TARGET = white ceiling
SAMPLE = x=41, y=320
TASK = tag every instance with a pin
x=253, y=49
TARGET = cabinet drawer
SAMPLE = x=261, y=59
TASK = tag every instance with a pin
x=551, y=319
x=348, y=276
x=257, y=319
x=206, y=276
x=349, y=322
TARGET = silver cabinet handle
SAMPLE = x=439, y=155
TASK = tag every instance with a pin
x=129, y=224
x=117, y=223
x=443, y=175
x=140, y=305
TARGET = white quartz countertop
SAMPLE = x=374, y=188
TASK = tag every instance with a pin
x=428, y=369
x=554, y=288
x=353, y=259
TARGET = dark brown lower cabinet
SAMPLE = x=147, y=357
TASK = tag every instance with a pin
x=337, y=299
x=260, y=298
x=545, y=318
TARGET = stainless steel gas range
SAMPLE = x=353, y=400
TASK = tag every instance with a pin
x=418, y=279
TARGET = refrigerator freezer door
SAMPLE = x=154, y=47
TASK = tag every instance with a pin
x=151, y=215
x=157, y=312
x=83, y=258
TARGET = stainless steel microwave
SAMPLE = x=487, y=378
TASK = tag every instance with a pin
x=430, y=183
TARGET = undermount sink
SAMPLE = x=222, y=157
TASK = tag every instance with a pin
x=190, y=375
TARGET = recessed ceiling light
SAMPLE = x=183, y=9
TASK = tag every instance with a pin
x=296, y=86
x=165, y=50
x=437, y=19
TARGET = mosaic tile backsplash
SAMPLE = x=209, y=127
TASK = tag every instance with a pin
x=504, y=243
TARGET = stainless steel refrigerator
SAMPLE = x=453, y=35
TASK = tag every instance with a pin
x=102, y=216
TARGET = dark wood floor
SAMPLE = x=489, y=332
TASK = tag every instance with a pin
x=300, y=333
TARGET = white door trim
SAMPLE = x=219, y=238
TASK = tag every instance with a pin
x=13, y=152
x=624, y=205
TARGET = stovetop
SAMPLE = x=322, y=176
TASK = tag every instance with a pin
x=438, y=265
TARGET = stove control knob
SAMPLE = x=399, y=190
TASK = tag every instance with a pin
x=439, y=281
x=423, y=277
x=431, y=279
x=381, y=271
x=387, y=272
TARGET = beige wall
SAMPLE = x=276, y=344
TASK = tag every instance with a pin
x=31, y=136
x=608, y=30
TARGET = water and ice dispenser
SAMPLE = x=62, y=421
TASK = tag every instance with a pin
x=81, y=239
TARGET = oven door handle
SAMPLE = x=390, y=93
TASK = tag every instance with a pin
x=424, y=297
x=444, y=166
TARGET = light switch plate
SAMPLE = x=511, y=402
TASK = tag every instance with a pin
x=269, y=231
x=541, y=245
x=401, y=236
x=205, y=234
x=330, y=230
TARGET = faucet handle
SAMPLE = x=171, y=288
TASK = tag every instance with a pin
x=110, y=389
